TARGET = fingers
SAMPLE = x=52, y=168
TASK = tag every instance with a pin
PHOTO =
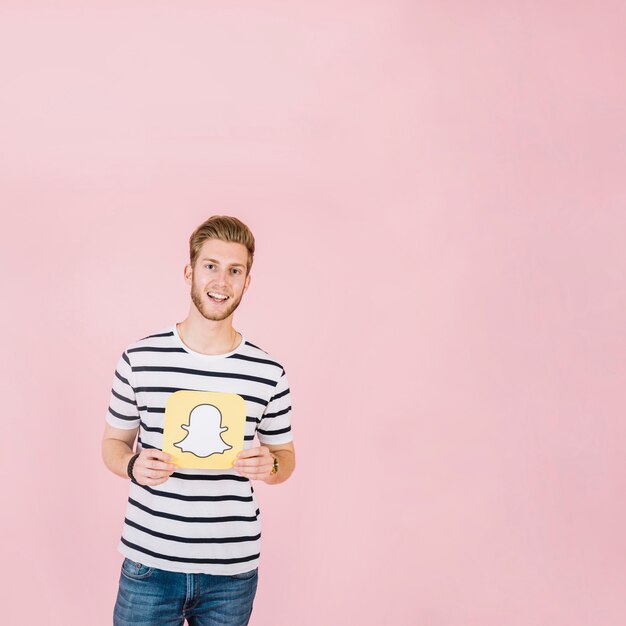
x=255, y=463
x=151, y=482
x=153, y=453
x=156, y=465
x=258, y=451
x=150, y=477
x=155, y=459
x=252, y=452
x=152, y=467
x=254, y=474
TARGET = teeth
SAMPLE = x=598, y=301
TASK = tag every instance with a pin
x=217, y=296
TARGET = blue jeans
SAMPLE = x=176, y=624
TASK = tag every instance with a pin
x=149, y=597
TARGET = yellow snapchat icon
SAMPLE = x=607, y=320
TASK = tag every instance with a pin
x=204, y=429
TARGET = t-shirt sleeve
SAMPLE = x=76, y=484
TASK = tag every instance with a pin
x=275, y=426
x=123, y=411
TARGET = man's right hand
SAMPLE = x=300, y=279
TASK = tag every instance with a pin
x=152, y=467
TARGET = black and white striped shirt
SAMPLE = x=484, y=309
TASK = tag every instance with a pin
x=204, y=521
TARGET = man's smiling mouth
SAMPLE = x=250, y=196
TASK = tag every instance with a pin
x=217, y=297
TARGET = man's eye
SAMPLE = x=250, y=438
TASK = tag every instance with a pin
x=235, y=271
x=209, y=266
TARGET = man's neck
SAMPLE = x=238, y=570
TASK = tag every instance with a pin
x=206, y=336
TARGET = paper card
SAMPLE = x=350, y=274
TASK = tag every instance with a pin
x=204, y=429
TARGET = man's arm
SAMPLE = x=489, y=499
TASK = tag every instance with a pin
x=256, y=463
x=152, y=467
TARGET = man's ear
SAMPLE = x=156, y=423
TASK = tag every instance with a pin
x=188, y=273
x=246, y=284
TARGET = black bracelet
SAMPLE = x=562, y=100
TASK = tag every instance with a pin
x=129, y=469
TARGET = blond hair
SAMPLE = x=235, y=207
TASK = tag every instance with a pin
x=224, y=228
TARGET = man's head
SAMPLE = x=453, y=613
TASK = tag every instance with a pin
x=221, y=251
x=224, y=228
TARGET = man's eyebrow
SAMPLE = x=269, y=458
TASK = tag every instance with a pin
x=217, y=262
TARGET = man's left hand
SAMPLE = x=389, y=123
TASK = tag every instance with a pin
x=255, y=463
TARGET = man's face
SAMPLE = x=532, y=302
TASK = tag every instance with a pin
x=219, y=278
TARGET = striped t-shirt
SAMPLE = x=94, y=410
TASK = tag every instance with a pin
x=198, y=521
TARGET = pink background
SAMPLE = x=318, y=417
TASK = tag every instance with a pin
x=437, y=190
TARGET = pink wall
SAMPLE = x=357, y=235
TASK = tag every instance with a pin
x=437, y=190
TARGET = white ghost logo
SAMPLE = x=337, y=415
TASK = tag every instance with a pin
x=204, y=432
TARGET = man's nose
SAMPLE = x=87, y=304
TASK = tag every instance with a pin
x=223, y=277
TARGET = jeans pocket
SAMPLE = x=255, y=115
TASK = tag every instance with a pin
x=246, y=575
x=135, y=571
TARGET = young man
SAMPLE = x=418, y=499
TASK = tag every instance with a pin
x=191, y=536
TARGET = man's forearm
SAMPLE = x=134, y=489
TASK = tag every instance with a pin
x=286, y=465
x=116, y=455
